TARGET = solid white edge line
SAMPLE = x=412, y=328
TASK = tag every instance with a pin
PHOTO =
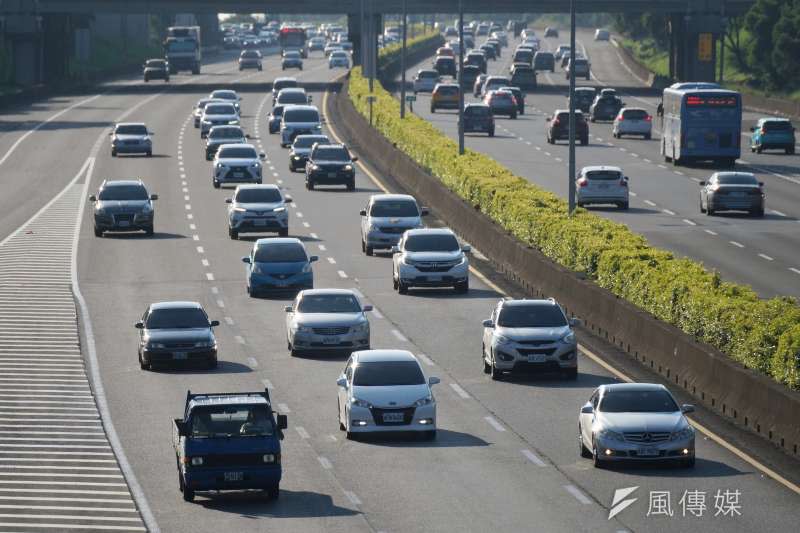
x=94, y=369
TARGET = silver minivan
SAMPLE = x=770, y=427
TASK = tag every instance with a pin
x=601, y=185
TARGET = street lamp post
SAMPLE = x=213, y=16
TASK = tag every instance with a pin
x=460, y=78
x=403, y=65
x=572, y=52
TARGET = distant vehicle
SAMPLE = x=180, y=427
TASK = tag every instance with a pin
x=340, y=59
x=386, y=218
x=523, y=56
x=477, y=59
x=450, y=31
x=293, y=96
x=772, y=134
x=544, y=61
x=278, y=265
x=582, y=68
x=524, y=77
x=529, y=335
x=385, y=390
x=558, y=127
x=584, y=97
x=702, y=122
x=445, y=96
x=551, y=32
x=560, y=50
x=236, y=163
x=732, y=191
x=479, y=81
x=316, y=44
x=425, y=81
x=605, y=108
x=123, y=205
x=301, y=147
x=498, y=49
x=633, y=121
x=489, y=51
x=332, y=47
x=478, y=118
x=493, y=83
x=176, y=333
x=519, y=97
x=257, y=209
x=200, y=107
x=455, y=46
x=299, y=120
x=502, y=37
x=274, y=119
x=183, y=49
x=444, y=51
x=327, y=320
x=445, y=66
x=228, y=441
x=430, y=257
x=501, y=103
x=282, y=83
x=156, y=69
x=250, y=59
x=330, y=164
x=635, y=422
x=601, y=185
x=131, y=138
x=469, y=75
x=219, y=135
x=229, y=96
x=601, y=35
x=218, y=114
x=292, y=59
x=483, y=29
x=293, y=39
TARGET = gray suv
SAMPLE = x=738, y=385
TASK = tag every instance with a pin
x=219, y=135
x=236, y=163
x=123, y=205
x=301, y=148
x=131, y=138
x=218, y=114
x=386, y=218
x=258, y=208
x=529, y=335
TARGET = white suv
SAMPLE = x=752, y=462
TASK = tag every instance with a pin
x=299, y=120
x=236, y=163
x=430, y=258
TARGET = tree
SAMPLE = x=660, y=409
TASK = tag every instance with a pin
x=760, y=21
x=786, y=45
x=733, y=42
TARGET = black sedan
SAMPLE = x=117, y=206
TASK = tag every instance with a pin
x=330, y=164
x=478, y=118
x=176, y=333
x=732, y=191
x=156, y=69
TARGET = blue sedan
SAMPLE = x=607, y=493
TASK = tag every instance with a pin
x=772, y=133
x=278, y=265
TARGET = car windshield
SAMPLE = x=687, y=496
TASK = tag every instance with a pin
x=261, y=195
x=428, y=75
x=478, y=111
x=431, y=243
x=635, y=114
x=778, y=125
x=224, y=95
x=603, y=175
x=301, y=115
x=226, y=133
x=217, y=109
x=497, y=82
x=250, y=54
x=531, y=316
x=277, y=111
x=177, y=318
x=292, y=55
x=238, y=152
x=122, y=193
x=329, y=303
x=307, y=141
x=232, y=421
x=331, y=153
x=281, y=252
x=156, y=63
x=284, y=84
x=638, y=401
x=292, y=98
x=388, y=373
x=737, y=179
x=523, y=55
x=132, y=129
x=447, y=90
x=394, y=208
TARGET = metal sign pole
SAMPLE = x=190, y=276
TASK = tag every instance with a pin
x=403, y=65
x=460, y=78
x=573, y=53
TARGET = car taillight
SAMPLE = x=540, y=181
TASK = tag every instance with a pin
x=763, y=131
x=648, y=118
x=556, y=122
x=513, y=100
x=620, y=118
x=583, y=182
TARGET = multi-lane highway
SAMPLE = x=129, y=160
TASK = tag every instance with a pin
x=664, y=199
x=506, y=456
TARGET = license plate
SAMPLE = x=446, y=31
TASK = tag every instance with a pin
x=647, y=452
x=603, y=186
x=331, y=174
x=124, y=223
x=259, y=222
x=392, y=417
x=434, y=278
x=179, y=355
x=737, y=194
x=330, y=340
x=238, y=174
x=536, y=358
x=234, y=476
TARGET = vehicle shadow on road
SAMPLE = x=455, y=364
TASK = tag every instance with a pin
x=445, y=438
x=159, y=235
x=143, y=156
x=555, y=380
x=338, y=189
x=615, y=209
x=223, y=367
x=473, y=294
x=292, y=504
x=704, y=468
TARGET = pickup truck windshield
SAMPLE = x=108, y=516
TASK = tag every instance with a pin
x=231, y=421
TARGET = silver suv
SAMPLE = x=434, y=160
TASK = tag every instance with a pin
x=299, y=120
x=324, y=320
x=219, y=135
x=386, y=218
x=257, y=208
x=430, y=258
x=529, y=335
x=131, y=138
x=236, y=163
x=218, y=114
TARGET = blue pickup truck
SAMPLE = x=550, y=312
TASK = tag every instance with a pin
x=228, y=441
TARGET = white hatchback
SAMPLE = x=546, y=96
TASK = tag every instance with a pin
x=633, y=121
x=601, y=185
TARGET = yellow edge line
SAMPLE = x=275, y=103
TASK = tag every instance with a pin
x=588, y=353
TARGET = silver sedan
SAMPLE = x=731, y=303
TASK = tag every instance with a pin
x=635, y=422
x=324, y=320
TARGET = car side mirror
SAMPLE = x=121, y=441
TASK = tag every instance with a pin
x=93, y=198
x=363, y=213
x=752, y=129
x=433, y=380
x=139, y=325
x=228, y=200
x=342, y=382
x=287, y=199
x=760, y=183
x=287, y=309
x=214, y=323
x=247, y=136
x=354, y=158
x=702, y=183
x=283, y=422
x=547, y=119
x=180, y=425
x=574, y=322
x=424, y=211
x=313, y=259
x=310, y=98
x=395, y=250
x=687, y=408
x=367, y=308
x=466, y=249
x=587, y=409
x=488, y=323
x=154, y=197
x=246, y=259
x=262, y=155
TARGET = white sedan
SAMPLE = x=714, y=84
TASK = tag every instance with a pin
x=386, y=391
x=425, y=81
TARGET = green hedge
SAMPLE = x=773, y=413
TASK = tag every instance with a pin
x=761, y=334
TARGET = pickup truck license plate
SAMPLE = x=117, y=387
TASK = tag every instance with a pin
x=392, y=417
x=536, y=358
x=330, y=340
x=179, y=355
x=234, y=476
x=647, y=452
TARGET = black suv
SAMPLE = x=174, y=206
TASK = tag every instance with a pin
x=123, y=205
x=605, y=108
x=544, y=61
x=176, y=332
x=156, y=69
x=558, y=127
x=445, y=66
x=330, y=164
x=584, y=96
x=478, y=118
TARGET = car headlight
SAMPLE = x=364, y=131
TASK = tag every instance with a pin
x=303, y=329
x=100, y=211
x=408, y=261
x=314, y=167
x=348, y=168
x=361, y=328
x=256, y=165
x=502, y=339
x=114, y=141
x=197, y=461
x=569, y=337
x=234, y=122
x=360, y=403
x=306, y=268
x=147, y=208
x=611, y=435
x=218, y=165
x=685, y=433
x=427, y=400
x=268, y=458
x=279, y=210
x=296, y=157
x=206, y=122
x=205, y=344
x=156, y=345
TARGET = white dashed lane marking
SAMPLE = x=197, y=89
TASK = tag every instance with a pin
x=458, y=390
x=576, y=492
x=532, y=457
x=494, y=423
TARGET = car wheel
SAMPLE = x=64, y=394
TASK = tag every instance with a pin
x=598, y=463
x=216, y=184
x=233, y=234
x=585, y=453
x=759, y=213
x=98, y=232
x=212, y=363
x=283, y=232
x=188, y=494
x=584, y=141
x=463, y=287
x=689, y=463
x=429, y=435
x=513, y=116
x=351, y=185
x=648, y=136
x=491, y=133
x=149, y=231
x=571, y=373
x=149, y=153
x=486, y=367
x=752, y=149
x=494, y=372
x=369, y=250
x=274, y=492
x=624, y=206
x=759, y=149
x=113, y=153
x=790, y=150
x=310, y=185
x=142, y=364
x=433, y=109
x=402, y=288
x=709, y=211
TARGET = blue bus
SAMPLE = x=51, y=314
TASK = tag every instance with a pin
x=701, y=122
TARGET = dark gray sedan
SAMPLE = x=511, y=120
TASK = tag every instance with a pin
x=123, y=205
x=176, y=332
x=732, y=191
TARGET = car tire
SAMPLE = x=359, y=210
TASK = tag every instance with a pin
x=790, y=150
x=113, y=153
x=369, y=250
x=188, y=494
x=598, y=463
x=585, y=141
x=309, y=185
x=759, y=149
x=571, y=374
x=212, y=363
x=149, y=231
x=624, y=206
x=402, y=288
x=273, y=493
x=689, y=463
x=758, y=213
x=98, y=232
x=146, y=79
x=494, y=372
x=429, y=435
x=513, y=116
x=486, y=367
x=233, y=234
x=648, y=136
x=142, y=364
x=584, y=451
x=351, y=185
x=433, y=109
x=283, y=232
x=491, y=133
x=462, y=287
x=702, y=209
x=216, y=184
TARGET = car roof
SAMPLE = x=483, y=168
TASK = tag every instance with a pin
x=626, y=109
x=290, y=90
x=223, y=91
x=599, y=168
x=620, y=387
x=559, y=111
x=121, y=183
x=301, y=107
x=774, y=119
x=248, y=186
x=525, y=302
x=430, y=231
x=732, y=174
x=391, y=197
x=175, y=305
x=238, y=145
x=212, y=399
x=476, y=104
x=427, y=70
x=130, y=124
x=377, y=356
x=327, y=292
x=284, y=79
x=277, y=240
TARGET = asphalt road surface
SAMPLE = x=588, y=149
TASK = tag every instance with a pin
x=506, y=456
